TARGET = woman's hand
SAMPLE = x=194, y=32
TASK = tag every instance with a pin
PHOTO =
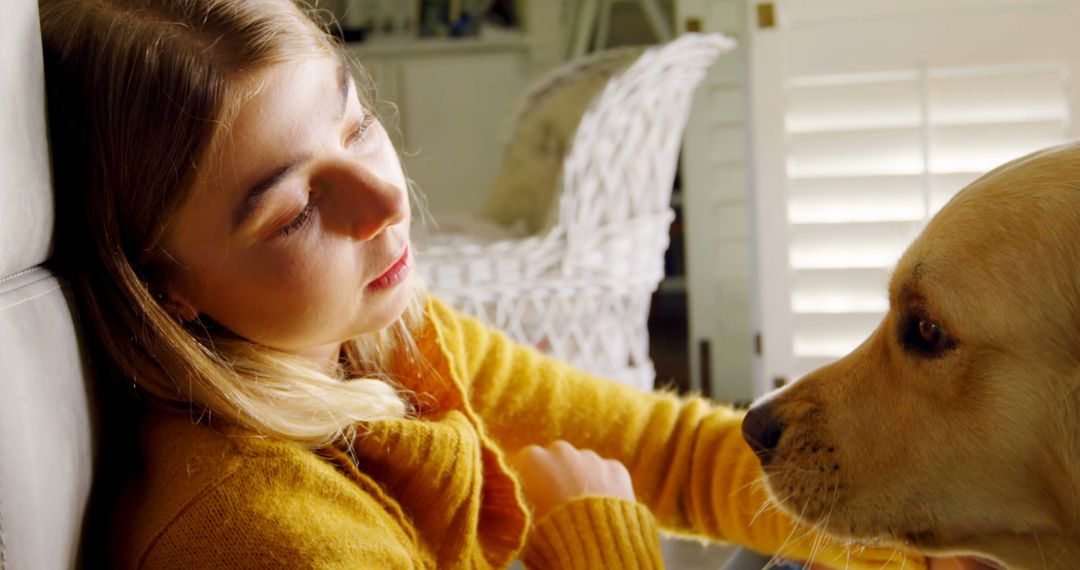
x=553, y=475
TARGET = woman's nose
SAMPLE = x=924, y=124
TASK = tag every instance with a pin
x=365, y=203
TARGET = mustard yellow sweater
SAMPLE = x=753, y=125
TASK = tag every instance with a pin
x=434, y=491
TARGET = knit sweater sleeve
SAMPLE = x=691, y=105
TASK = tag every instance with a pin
x=594, y=532
x=687, y=458
x=274, y=513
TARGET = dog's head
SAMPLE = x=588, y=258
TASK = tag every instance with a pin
x=956, y=426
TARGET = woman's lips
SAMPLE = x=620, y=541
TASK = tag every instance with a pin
x=395, y=274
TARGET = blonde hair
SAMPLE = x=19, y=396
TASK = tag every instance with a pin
x=140, y=93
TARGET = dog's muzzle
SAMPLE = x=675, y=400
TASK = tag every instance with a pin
x=762, y=430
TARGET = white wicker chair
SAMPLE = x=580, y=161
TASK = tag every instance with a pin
x=579, y=284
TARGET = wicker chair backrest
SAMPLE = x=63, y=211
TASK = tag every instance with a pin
x=527, y=185
x=590, y=173
x=618, y=173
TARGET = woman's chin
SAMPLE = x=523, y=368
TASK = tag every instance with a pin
x=386, y=306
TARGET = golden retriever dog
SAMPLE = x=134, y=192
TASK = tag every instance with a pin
x=955, y=427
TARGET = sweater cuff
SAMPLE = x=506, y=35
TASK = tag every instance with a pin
x=595, y=532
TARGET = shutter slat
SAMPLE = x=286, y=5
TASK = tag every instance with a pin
x=855, y=153
x=856, y=199
x=858, y=105
x=832, y=335
x=842, y=290
x=966, y=148
x=1027, y=94
x=944, y=186
x=875, y=244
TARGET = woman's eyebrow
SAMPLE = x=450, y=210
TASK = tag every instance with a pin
x=251, y=201
x=254, y=195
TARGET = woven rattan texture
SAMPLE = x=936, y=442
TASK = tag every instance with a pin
x=580, y=287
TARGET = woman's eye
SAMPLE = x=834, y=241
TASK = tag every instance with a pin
x=361, y=129
x=300, y=219
x=926, y=337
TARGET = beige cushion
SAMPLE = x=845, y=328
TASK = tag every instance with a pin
x=46, y=435
x=526, y=188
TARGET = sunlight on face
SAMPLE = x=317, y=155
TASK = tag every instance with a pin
x=296, y=235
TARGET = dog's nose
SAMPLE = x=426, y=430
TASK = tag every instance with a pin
x=762, y=430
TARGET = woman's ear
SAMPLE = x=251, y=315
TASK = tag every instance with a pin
x=177, y=305
x=164, y=279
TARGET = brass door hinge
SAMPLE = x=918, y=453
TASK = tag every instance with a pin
x=766, y=15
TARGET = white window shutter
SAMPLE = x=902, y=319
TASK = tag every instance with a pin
x=872, y=148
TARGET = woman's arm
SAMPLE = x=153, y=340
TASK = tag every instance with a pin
x=688, y=460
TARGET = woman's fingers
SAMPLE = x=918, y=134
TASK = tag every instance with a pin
x=560, y=472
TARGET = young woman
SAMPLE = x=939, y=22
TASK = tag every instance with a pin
x=235, y=225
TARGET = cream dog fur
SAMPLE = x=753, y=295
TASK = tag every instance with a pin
x=954, y=428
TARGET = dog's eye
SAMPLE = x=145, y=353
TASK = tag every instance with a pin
x=926, y=337
x=930, y=332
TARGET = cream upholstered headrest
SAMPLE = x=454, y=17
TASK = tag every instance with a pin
x=46, y=427
x=26, y=213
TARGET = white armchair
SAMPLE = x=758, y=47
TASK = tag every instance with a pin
x=584, y=210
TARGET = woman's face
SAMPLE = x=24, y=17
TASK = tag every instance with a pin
x=296, y=235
